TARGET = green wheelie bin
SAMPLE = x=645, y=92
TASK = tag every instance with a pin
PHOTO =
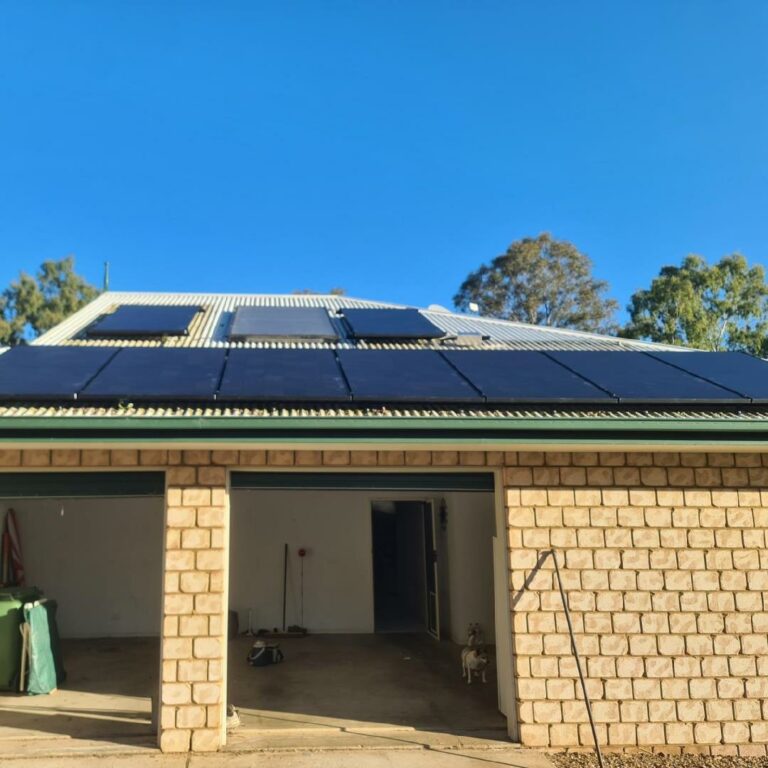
x=12, y=600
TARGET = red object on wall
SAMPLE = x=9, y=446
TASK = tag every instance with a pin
x=302, y=552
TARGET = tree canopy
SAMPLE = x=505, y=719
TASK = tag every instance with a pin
x=33, y=304
x=715, y=307
x=541, y=281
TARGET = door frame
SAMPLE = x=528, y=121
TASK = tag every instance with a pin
x=429, y=504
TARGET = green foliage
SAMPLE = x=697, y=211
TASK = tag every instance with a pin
x=541, y=281
x=718, y=307
x=32, y=305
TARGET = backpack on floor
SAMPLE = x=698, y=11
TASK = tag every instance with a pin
x=263, y=654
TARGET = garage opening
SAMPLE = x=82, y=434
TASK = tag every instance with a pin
x=91, y=549
x=385, y=572
x=403, y=566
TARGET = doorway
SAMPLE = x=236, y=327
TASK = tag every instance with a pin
x=404, y=567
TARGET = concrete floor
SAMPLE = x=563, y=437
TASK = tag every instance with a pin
x=105, y=699
x=335, y=690
x=334, y=693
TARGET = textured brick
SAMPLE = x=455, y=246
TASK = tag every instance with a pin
x=10, y=458
x=175, y=740
x=205, y=740
x=151, y=458
x=94, y=458
x=34, y=458
x=666, y=577
x=65, y=458
x=124, y=458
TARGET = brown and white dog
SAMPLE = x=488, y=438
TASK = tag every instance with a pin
x=474, y=659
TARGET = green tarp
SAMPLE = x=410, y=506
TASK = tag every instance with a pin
x=45, y=668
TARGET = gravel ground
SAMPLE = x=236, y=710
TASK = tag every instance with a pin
x=648, y=760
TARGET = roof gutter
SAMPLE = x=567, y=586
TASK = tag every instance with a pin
x=358, y=431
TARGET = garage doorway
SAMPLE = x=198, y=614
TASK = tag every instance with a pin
x=92, y=544
x=404, y=567
x=373, y=666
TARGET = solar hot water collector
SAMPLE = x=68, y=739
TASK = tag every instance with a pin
x=143, y=321
x=282, y=324
x=390, y=325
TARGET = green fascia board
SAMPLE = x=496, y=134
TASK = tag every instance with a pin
x=452, y=430
x=369, y=481
x=62, y=485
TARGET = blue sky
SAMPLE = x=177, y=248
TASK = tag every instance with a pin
x=386, y=147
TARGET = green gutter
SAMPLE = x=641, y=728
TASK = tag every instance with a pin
x=482, y=430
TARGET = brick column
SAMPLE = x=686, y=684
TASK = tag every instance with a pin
x=194, y=633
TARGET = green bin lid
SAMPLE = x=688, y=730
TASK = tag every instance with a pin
x=20, y=594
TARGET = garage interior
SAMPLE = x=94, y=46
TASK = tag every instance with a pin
x=380, y=663
x=386, y=620
x=99, y=556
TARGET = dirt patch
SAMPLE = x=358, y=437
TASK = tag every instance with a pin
x=648, y=760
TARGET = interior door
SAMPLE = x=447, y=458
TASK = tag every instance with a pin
x=430, y=562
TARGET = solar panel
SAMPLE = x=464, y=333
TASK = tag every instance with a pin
x=387, y=375
x=390, y=324
x=282, y=374
x=49, y=373
x=282, y=323
x=737, y=371
x=158, y=373
x=636, y=377
x=523, y=376
x=146, y=321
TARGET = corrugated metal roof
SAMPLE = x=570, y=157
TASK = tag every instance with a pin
x=210, y=327
x=192, y=411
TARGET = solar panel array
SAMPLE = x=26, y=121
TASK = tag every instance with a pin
x=102, y=374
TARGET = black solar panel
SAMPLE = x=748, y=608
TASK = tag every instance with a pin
x=637, y=377
x=390, y=324
x=282, y=322
x=282, y=374
x=158, y=373
x=145, y=321
x=49, y=373
x=386, y=375
x=738, y=371
x=523, y=376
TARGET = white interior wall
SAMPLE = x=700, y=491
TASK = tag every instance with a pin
x=468, y=549
x=101, y=560
x=335, y=527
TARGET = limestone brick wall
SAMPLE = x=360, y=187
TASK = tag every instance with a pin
x=663, y=556
x=193, y=650
x=665, y=563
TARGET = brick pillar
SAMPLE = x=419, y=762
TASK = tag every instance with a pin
x=194, y=633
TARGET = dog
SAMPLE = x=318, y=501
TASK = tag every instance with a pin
x=474, y=659
x=473, y=662
x=475, y=636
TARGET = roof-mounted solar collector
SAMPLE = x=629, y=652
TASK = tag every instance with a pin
x=264, y=323
x=143, y=321
x=390, y=324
